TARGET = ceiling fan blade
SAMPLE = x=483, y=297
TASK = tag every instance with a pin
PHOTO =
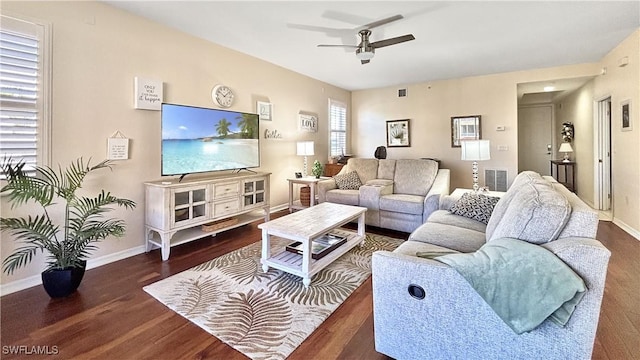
x=381, y=22
x=340, y=46
x=392, y=41
x=364, y=61
x=329, y=31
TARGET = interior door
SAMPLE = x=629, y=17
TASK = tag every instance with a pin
x=535, y=139
x=603, y=154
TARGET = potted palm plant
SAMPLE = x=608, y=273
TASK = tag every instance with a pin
x=69, y=243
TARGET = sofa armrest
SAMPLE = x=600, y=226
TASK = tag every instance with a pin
x=439, y=188
x=323, y=186
x=371, y=192
x=410, y=328
x=453, y=322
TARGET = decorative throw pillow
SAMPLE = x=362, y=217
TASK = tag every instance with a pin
x=475, y=206
x=348, y=181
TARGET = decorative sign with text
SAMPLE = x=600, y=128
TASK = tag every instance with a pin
x=308, y=122
x=117, y=147
x=147, y=94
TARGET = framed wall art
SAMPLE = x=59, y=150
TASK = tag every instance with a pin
x=398, y=133
x=626, y=123
x=465, y=128
x=264, y=110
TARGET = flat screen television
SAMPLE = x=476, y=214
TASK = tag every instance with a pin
x=196, y=140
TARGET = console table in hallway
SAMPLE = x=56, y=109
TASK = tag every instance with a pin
x=567, y=166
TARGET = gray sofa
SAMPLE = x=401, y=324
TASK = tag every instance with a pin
x=453, y=321
x=398, y=194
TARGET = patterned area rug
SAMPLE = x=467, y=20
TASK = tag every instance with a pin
x=264, y=315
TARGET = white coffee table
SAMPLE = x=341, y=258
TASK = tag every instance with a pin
x=304, y=226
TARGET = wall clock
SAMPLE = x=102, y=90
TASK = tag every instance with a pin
x=222, y=95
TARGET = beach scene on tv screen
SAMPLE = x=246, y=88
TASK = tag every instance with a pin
x=200, y=140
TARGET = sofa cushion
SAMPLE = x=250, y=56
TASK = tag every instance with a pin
x=537, y=214
x=401, y=203
x=414, y=176
x=411, y=248
x=348, y=181
x=449, y=236
x=523, y=178
x=475, y=206
x=583, y=221
x=447, y=218
x=386, y=168
x=366, y=168
x=346, y=197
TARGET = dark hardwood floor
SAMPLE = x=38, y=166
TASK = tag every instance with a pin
x=111, y=317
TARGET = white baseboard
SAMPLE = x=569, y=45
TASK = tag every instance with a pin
x=631, y=231
x=36, y=280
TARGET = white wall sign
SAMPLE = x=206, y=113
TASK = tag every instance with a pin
x=272, y=134
x=147, y=94
x=308, y=122
x=117, y=147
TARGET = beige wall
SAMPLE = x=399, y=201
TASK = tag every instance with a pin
x=623, y=83
x=430, y=107
x=577, y=108
x=97, y=52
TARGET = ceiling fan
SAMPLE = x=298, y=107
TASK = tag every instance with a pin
x=365, y=50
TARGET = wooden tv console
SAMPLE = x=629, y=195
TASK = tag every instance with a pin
x=179, y=212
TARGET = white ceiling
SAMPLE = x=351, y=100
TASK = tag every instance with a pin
x=453, y=39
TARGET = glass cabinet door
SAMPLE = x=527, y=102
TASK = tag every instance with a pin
x=253, y=194
x=189, y=205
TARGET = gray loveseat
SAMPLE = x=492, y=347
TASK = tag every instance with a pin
x=452, y=321
x=398, y=194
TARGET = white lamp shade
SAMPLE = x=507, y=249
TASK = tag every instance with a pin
x=476, y=150
x=565, y=148
x=304, y=148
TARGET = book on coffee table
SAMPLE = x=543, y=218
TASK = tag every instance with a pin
x=320, y=246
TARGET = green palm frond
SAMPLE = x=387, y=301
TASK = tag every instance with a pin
x=21, y=188
x=36, y=232
x=84, y=222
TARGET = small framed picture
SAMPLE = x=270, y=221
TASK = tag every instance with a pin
x=465, y=128
x=298, y=175
x=264, y=110
x=398, y=134
x=626, y=123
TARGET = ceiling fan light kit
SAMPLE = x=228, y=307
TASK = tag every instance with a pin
x=366, y=50
x=365, y=54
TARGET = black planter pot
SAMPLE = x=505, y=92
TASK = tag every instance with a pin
x=63, y=282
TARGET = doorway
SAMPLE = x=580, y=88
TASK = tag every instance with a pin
x=535, y=138
x=603, y=155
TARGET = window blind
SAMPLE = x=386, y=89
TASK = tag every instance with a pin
x=20, y=92
x=338, y=128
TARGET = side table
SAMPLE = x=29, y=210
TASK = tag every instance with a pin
x=310, y=181
x=332, y=169
x=567, y=166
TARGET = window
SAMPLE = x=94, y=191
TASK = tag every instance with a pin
x=24, y=91
x=338, y=128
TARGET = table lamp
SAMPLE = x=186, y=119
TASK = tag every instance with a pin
x=304, y=148
x=566, y=148
x=475, y=150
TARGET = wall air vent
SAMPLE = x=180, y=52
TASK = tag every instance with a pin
x=496, y=180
